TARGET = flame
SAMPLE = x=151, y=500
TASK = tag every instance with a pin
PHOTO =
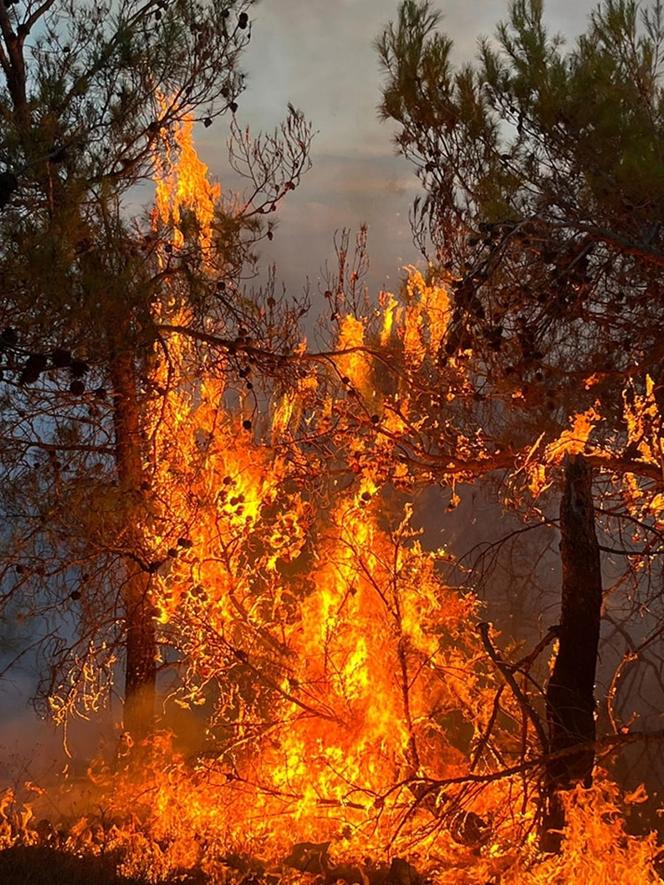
x=335, y=675
x=355, y=366
x=426, y=319
x=182, y=186
x=573, y=441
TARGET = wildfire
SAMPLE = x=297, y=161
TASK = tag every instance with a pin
x=336, y=679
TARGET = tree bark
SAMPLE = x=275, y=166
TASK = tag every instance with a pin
x=570, y=692
x=140, y=643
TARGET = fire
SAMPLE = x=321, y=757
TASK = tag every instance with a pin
x=182, y=186
x=427, y=317
x=353, y=365
x=573, y=441
x=343, y=628
x=333, y=673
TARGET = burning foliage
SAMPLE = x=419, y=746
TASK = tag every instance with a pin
x=352, y=720
x=189, y=823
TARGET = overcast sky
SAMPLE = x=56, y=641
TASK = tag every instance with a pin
x=319, y=55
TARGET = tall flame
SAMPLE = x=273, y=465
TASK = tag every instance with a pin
x=182, y=186
x=336, y=680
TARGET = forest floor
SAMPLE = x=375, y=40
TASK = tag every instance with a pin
x=45, y=865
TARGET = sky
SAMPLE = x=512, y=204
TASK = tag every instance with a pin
x=319, y=55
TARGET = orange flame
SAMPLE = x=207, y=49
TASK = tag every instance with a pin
x=336, y=679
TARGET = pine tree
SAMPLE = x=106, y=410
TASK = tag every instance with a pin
x=93, y=93
x=544, y=182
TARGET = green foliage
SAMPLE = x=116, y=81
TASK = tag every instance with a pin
x=84, y=103
x=594, y=112
x=543, y=169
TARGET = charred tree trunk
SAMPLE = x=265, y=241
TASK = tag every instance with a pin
x=570, y=692
x=141, y=643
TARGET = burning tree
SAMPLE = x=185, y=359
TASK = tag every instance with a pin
x=340, y=680
x=90, y=107
x=542, y=202
x=334, y=670
x=255, y=497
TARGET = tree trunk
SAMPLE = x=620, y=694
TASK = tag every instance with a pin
x=141, y=644
x=570, y=692
x=140, y=673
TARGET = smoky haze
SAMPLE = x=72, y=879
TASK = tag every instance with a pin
x=319, y=55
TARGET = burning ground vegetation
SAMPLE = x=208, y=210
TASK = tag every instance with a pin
x=358, y=721
x=192, y=822
x=356, y=718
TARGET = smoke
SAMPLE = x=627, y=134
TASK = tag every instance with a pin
x=320, y=56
